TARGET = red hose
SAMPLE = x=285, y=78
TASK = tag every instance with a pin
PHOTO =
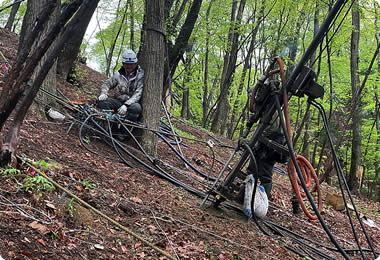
x=307, y=169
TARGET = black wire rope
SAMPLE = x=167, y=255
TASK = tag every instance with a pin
x=300, y=177
x=84, y=124
x=173, y=180
x=114, y=144
x=342, y=178
x=207, y=177
x=212, y=137
x=311, y=240
x=313, y=249
x=152, y=160
x=294, y=236
x=159, y=172
x=337, y=29
x=135, y=140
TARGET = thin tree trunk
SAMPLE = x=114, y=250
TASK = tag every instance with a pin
x=205, y=98
x=185, y=111
x=176, y=52
x=72, y=47
x=377, y=164
x=219, y=121
x=246, y=66
x=132, y=25
x=355, y=86
x=113, y=43
x=12, y=15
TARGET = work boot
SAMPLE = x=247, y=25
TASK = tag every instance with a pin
x=295, y=205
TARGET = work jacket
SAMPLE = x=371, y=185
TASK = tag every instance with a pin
x=129, y=87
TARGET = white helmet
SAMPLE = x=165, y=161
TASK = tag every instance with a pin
x=129, y=57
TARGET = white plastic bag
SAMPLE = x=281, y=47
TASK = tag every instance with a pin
x=55, y=115
x=261, y=199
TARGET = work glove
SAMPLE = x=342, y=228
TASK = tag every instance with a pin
x=102, y=97
x=122, y=111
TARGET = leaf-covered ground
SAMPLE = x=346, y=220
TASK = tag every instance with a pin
x=44, y=224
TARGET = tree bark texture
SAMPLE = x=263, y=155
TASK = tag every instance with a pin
x=11, y=138
x=205, y=98
x=34, y=7
x=247, y=65
x=355, y=86
x=12, y=15
x=153, y=64
x=72, y=47
x=219, y=121
x=185, y=110
x=176, y=52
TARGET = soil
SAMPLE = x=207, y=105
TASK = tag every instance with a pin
x=129, y=201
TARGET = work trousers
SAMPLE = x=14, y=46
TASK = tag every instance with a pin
x=265, y=166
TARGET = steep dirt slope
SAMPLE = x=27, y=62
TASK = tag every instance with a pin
x=51, y=225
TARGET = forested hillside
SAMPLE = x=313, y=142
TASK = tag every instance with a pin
x=247, y=34
x=220, y=70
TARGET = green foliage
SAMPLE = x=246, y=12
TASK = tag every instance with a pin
x=4, y=15
x=45, y=165
x=71, y=208
x=287, y=29
x=10, y=172
x=76, y=75
x=89, y=185
x=42, y=164
x=37, y=183
x=53, y=235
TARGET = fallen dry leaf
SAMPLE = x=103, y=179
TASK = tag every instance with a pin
x=39, y=227
x=50, y=205
x=42, y=242
x=124, y=249
x=137, y=200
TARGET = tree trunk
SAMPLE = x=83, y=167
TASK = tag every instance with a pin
x=26, y=62
x=355, y=86
x=377, y=120
x=247, y=65
x=72, y=47
x=308, y=116
x=12, y=15
x=42, y=100
x=306, y=142
x=153, y=63
x=176, y=52
x=377, y=159
x=219, y=122
x=132, y=25
x=116, y=35
x=185, y=110
x=25, y=70
x=205, y=98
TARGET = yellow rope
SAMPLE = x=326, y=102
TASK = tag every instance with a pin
x=100, y=213
x=5, y=59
